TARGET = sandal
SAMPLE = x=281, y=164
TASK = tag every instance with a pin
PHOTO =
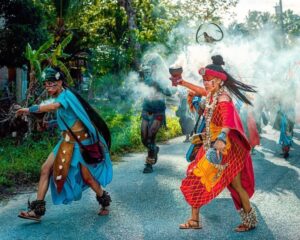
x=190, y=224
x=29, y=215
x=243, y=228
x=104, y=202
x=249, y=221
x=103, y=212
x=148, y=168
x=36, y=209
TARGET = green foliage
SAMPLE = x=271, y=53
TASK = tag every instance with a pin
x=110, y=89
x=105, y=59
x=291, y=23
x=35, y=57
x=20, y=165
x=24, y=22
x=50, y=53
x=201, y=10
x=153, y=22
x=257, y=21
x=62, y=7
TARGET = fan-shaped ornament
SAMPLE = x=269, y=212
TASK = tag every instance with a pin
x=209, y=33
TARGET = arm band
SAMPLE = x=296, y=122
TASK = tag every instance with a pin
x=34, y=109
x=222, y=137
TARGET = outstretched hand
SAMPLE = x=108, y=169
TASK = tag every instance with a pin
x=220, y=147
x=22, y=111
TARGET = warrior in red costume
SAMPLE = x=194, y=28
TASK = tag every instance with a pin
x=224, y=158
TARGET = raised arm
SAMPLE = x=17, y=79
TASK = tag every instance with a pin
x=197, y=89
x=39, y=108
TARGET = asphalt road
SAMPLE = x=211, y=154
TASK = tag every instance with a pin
x=151, y=206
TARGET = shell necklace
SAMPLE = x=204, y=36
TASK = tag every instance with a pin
x=208, y=113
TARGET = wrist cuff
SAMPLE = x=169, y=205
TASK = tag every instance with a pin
x=222, y=137
x=34, y=108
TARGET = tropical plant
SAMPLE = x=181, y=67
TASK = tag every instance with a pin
x=47, y=54
x=200, y=10
x=23, y=22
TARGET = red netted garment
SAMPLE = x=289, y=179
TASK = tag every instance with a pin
x=237, y=158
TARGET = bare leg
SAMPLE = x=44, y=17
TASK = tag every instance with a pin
x=194, y=221
x=152, y=131
x=195, y=213
x=155, y=126
x=43, y=185
x=236, y=184
x=89, y=180
x=102, y=197
x=46, y=170
x=248, y=214
x=144, y=132
x=148, y=134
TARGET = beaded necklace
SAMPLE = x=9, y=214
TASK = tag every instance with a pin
x=208, y=112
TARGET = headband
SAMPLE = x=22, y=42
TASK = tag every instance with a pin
x=206, y=72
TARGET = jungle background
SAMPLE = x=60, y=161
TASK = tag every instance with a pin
x=110, y=39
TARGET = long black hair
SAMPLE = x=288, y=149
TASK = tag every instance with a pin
x=96, y=119
x=234, y=86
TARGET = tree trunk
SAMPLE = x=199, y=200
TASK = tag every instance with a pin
x=131, y=20
x=32, y=86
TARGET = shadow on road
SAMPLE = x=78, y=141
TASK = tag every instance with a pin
x=155, y=206
x=276, y=176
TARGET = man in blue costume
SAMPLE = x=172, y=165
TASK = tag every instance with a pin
x=65, y=169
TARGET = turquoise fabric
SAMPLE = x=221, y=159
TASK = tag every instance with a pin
x=285, y=139
x=196, y=103
x=72, y=110
x=65, y=112
x=200, y=129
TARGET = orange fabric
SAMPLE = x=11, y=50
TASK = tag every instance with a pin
x=237, y=157
x=62, y=164
x=207, y=173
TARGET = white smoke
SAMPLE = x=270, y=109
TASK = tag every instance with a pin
x=256, y=60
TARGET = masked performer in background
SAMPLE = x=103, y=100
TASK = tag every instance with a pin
x=286, y=115
x=250, y=125
x=284, y=122
x=224, y=136
x=65, y=168
x=153, y=112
